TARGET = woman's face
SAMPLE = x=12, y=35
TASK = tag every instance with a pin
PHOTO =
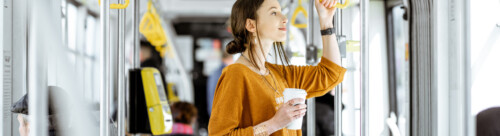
x=271, y=23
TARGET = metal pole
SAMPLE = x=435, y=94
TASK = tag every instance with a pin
x=121, y=71
x=109, y=78
x=311, y=107
x=338, y=89
x=136, y=61
x=469, y=119
x=37, y=79
x=364, y=68
x=338, y=110
x=104, y=108
x=289, y=15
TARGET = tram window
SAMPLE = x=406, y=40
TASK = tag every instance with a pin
x=91, y=30
x=91, y=64
x=485, y=45
x=72, y=22
x=81, y=36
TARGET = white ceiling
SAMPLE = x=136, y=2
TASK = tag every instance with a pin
x=196, y=7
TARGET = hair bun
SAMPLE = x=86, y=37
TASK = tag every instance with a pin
x=234, y=47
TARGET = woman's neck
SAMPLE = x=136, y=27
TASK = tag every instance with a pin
x=259, y=53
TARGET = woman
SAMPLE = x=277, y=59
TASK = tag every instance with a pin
x=248, y=98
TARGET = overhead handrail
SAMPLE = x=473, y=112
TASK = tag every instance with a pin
x=117, y=6
x=151, y=28
x=120, y=6
x=296, y=12
x=340, y=5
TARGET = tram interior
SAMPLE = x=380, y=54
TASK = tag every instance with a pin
x=59, y=43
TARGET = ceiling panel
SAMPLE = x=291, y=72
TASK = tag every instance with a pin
x=196, y=7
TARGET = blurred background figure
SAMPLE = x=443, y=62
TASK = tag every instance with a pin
x=150, y=57
x=227, y=59
x=488, y=122
x=56, y=105
x=21, y=108
x=185, y=115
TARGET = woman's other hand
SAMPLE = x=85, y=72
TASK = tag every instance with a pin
x=289, y=112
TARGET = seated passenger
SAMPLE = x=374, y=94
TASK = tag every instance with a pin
x=488, y=122
x=184, y=115
x=21, y=108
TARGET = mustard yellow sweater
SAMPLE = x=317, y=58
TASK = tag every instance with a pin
x=243, y=99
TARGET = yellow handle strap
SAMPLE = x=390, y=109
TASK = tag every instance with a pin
x=150, y=27
x=120, y=6
x=117, y=6
x=296, y=12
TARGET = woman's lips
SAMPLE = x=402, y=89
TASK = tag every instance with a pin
x=282, y=29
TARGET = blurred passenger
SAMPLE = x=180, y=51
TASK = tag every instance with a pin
x=150, y=57
x=185, y=115
x=227, y=59
x=488, y=122
x=21, y=108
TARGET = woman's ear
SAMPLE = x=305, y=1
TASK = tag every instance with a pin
x=251, y=25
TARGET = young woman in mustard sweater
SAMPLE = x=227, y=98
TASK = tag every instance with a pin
x=249, y=95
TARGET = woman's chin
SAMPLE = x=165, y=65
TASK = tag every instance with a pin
x=280, y=39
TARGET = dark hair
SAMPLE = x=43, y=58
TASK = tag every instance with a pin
x=226, y=55
x=241, y=11
x=183, y=112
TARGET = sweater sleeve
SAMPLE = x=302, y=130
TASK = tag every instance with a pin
x=228, y=106
x=316, y=80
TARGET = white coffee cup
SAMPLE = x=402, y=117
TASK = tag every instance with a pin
x=292, y=93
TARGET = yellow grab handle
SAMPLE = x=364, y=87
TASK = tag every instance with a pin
x=120, y=6
x=294, y=17
x=150, y=27
x=296, y=12
x=339, y=5
x=117, y=6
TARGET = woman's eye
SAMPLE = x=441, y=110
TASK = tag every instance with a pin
x=274, y=13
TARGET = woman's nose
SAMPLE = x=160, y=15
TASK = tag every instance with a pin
x=285, y=20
